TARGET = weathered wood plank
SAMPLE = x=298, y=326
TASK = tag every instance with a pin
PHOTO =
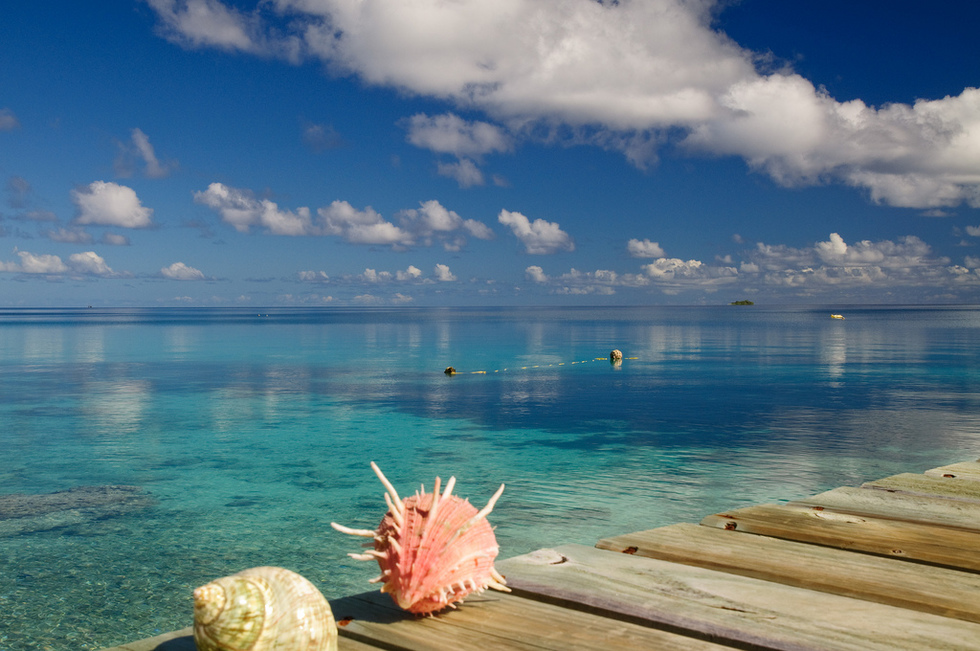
x=499, y=621
x=183, y=640
x=725, y=606
x=957, y=548
x=936, y=590
x=899, y=506
x=965, y=470
x=960, y=489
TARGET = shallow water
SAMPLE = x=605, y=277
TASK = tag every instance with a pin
x=252, y=430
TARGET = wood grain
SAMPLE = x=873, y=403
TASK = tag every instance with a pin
x=727, y=607
x=956, y=548
x=899, y=506
x=961, y=489
x=920, y=587
x=965, y=470
x=499, y=621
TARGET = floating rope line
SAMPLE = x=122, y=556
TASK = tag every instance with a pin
x=612, y=359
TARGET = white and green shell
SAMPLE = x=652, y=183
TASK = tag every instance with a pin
x=263, y=609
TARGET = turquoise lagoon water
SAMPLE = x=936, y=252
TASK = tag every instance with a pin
x=252, y=430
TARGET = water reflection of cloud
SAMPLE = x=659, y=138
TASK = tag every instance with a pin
x=535, y=335
x=179, y=340
x=833, y=351
x=537, y=386
x=662, y=341
x=443, y=337
x=251, y=395
x=225, y=406
x=89, y=345
x=116, y=407
x=43, y=344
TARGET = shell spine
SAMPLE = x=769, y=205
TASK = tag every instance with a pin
x=434, y=549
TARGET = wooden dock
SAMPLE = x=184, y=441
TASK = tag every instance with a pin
x=894, y=564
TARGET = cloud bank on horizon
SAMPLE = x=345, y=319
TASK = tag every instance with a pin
x=639, y=78
x=615, y=74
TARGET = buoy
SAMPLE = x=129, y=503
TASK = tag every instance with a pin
x=450, y=370
x=615, y=355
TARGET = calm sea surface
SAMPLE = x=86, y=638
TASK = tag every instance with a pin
x=249, y=431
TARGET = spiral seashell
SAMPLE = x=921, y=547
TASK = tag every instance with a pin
x=263, y=609
x=433, y=549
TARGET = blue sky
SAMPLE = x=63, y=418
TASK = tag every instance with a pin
x=516, y=152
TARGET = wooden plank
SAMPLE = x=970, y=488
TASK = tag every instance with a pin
x=499, y=621
x=956, y=548
x=965, y=470
x=941, y=591
x=727, y=607
x=899, y=506
x=183, y=640
x=960, y=489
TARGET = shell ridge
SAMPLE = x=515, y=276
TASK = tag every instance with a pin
x=433, y=549
x=272, y=609
x=437, y=581
x=433, y=546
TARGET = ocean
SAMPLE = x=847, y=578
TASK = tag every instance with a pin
x=199, y=442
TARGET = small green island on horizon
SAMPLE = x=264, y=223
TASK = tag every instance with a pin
x=743, y=302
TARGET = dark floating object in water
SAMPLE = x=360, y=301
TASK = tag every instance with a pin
x=616, y=356
x=741, y=303
x=24, y=513
x=450, y=370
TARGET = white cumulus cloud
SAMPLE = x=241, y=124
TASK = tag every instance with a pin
x=451, y=134
x=196, y=23
x=925, y=155
x=409, y=275
x=628, y=75
x=536, y=273
x=601, y=282
x=374, y=276
x=676, y=274
x=644, y=249
x=428, y=223
x=431, y=220
x=180, y=271
x=88, y=263
x=833, y=263
x=242, y=209
x=464, y=172
x=110, y=204
x=443, y=274
x=314, y=276
x=467, y=141
x=539, y=237
x=412, y=273
x=361, y=226
x=35, y=264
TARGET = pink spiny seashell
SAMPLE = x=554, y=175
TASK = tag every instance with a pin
x=433, y=549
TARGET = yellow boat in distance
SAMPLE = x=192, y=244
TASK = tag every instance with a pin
x=837, y=316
